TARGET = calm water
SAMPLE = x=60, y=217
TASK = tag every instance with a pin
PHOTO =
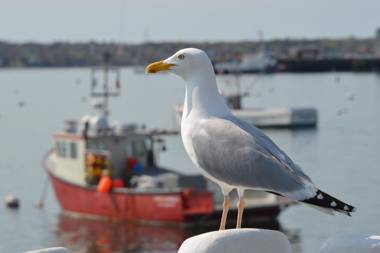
x=342, y=155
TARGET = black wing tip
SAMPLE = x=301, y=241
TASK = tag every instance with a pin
x=325, y=200
x=348, y=212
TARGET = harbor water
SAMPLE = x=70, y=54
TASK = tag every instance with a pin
x=342, y=155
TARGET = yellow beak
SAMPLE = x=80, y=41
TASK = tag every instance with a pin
x=157, y=67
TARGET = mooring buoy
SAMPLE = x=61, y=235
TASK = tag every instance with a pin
x=11, y=201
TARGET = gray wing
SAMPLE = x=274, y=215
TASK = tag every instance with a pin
x=241, y=155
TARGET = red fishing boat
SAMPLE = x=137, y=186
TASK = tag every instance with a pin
x=98, y=169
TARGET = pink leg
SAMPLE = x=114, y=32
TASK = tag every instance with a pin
x=240, y=206
x=226, y=206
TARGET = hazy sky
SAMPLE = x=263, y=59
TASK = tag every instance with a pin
x=190, y=20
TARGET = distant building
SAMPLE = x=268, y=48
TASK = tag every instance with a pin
x=304, y=52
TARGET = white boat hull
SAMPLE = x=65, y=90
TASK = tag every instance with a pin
x=271, y=117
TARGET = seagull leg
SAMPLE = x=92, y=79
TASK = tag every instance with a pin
x=240, y=206
x=226, y=206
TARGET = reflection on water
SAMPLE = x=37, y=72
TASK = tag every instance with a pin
x=97, y=236
x=100, y=236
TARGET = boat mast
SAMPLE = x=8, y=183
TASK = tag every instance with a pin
x=107, y=57
x=108, y=90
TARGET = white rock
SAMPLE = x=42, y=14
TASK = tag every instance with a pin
x=50, y=250
x=352, y=244
x=237, y=241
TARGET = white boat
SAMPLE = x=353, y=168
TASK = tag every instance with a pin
x=261, y=62
x=271, y=117
x=277, y=117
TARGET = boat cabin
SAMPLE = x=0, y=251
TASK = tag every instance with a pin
x=87, y=150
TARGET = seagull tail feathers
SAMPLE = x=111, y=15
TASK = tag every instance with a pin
x=328, y=202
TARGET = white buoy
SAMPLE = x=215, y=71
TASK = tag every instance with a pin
x=11, y=201
x=237, y=241
x=49, y=250
x=352, y=244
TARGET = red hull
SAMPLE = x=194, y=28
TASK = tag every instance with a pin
x=131, y=205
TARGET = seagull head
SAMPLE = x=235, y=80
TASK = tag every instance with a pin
x=187, y=63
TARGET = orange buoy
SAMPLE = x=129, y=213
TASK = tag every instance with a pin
x=105, y=184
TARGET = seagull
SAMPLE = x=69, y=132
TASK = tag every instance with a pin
x=231, y=152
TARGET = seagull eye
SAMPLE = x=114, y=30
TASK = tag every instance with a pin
x=181, y=56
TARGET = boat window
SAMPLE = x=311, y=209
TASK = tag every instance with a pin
x=138, y=147
x=61, y=148
x=148, y=144
x=73, y=150
x=57, y=148
x=95, y=145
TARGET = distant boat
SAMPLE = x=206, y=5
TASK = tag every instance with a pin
x=101, y=170
x=268, y=117
x=261, y=62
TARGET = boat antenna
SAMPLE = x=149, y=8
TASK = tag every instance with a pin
x=108, y=90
